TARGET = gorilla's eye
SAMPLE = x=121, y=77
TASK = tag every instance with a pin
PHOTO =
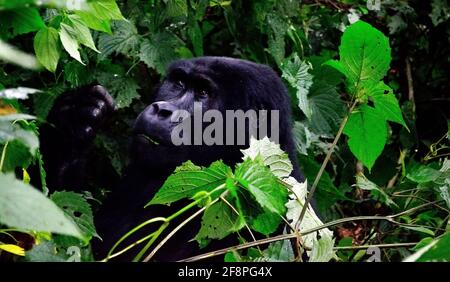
x=203, y=93
x=179, y=84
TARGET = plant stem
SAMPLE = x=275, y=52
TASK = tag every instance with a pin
x=2, y=160
x=324, y=164
x=362, y=247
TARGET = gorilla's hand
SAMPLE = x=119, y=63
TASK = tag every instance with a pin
x=80, y=113
x=73, y=123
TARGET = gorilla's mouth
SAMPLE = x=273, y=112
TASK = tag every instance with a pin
x=148, y=139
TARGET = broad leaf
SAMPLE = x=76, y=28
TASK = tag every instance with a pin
x=364, y=53
x=367, y=132
x=158, y=51
x=262, y=184
x=82, y=31
x=94, y=22
x=189, y=180
x=20, y=21
x=124, y=40
x=77, y=208
x=22, y=206
x=47, y=47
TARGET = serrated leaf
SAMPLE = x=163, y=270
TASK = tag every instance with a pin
x=271, y=155
x=189, y=180
x=159, y=51
x=77, y=208
x=296, y=73
x=218, y=221
x=385, y=101
x=47, y=47
x=367, y=132
x=22, y=206
x=122, y=88
x=364, y=53
x=327, y=109
x=124, y=40
x=262, y=184
x=69, y=41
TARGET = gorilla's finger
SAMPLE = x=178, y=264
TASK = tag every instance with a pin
x=91, y=115
x=84, y=133
x=101, y=93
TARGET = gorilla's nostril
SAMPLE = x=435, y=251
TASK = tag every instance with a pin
x=164, y=113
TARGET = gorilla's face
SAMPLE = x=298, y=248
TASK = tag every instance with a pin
x=209, y=84
x=184, y=85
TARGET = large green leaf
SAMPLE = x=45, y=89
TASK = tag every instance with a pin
x=364, y=53
x=20, y=21
x=123, y=88
x=385, y=101
x=158, y=51
x=22, y=206
x=367, y=132
x=124, y=40
x=12, y=131
x=190, y=179
x=436, y=251
x=218, y=221
x=105, y=10
x=47, y=47
x=254, y=176
x=77, y=208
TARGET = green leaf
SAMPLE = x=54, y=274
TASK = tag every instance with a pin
x=196, y=37
x=124, y=40
x=367, y=132
x=46, y=251
x=280, y=251
x=423, y=174
x=385, y=101
x=105, y=10
x=363, y=183
x=159, y=51
x=271, y=155
x=82, y=32
x=77, y=208
x=327, y=109
x=47, y=47
x=364, y=53
x=20, y=21
x=255, y=177
x=94, y=22
x=69, y=41
x=22, y=206
x=218, y=221
x=296, y=73
x=189, y=180
x=122, y=88
x=436, y=251
x=440, y=11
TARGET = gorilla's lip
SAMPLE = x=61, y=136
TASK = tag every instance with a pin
x=148, y=139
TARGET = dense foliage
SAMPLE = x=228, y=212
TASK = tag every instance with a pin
x=369, y=89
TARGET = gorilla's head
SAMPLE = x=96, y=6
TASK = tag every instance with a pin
x=210, y=83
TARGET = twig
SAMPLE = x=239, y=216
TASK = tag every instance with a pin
x=362, y=247
x=410, y=84
x=312, y=230
x=324, y=164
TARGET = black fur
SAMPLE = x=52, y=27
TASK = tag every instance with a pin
x=231, y=84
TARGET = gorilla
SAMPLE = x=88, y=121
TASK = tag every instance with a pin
x=219, y=83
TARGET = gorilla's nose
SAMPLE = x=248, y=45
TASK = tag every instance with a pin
x=162, y=109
